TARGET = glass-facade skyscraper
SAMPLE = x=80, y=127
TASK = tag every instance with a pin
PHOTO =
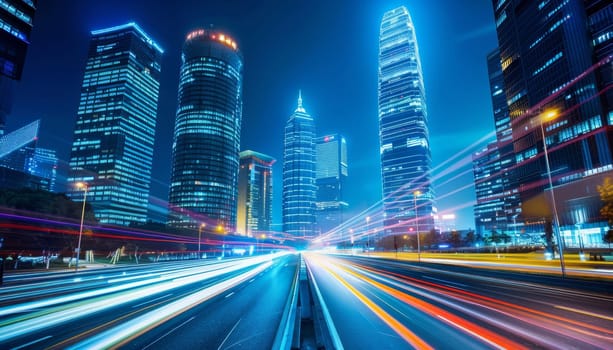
x=299, y=189
x=16, y=21
x=556, y=74
x=330, y=178
x=403, y=127
x=254, y=213
x=112, y=151
x=205, y=151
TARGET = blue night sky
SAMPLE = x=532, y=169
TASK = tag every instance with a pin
x=326, y=48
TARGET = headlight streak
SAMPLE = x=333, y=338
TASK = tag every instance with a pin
x=24, y=307
x=457, y=322
x=129, y=330
x=396, y=326
x=19, y=326
x=530, y=316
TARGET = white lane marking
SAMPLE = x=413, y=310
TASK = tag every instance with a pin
x=227, y=336
x=31, y=343
x=152, y=300
x=229, y=295
x=170, y=331
x=584, y=312
x=443, y=281
x=251, y=280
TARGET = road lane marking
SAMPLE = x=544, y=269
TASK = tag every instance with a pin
x=152, y=300
x=584, y=312
x=229, y=295
x=31, y=343
x=444, y=281
x=227, y=336
x=170, y=331
x=251, y=280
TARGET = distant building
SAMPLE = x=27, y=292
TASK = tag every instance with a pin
x=43, y=164
x=114, y=135
x=403, y=127
x=254, y=213
x=16, y=21
x=205, y=161
x=299, y=189
x=556, y=63
x=17, y=147
x=498, y=201
x=330, y=178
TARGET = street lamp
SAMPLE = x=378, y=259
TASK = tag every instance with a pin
x=550, y=115
x=415, y=194
x=202, y=225
x=81, y=185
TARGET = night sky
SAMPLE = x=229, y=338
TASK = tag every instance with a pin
x=328, y=49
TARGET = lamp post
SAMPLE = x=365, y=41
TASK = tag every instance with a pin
x=81, y=185
x=550, y=116
x=415, y=194
x=202, y=225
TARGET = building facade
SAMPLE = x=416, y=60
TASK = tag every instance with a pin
x=330, y=178
x=299, y=189
x=254, y=212
x=205, y=153
x=403, y=128
x=16, y=21
x=43, y=164
x=112, y=151
x=554, y=62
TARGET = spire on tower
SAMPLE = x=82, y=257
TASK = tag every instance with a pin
x=300, y=108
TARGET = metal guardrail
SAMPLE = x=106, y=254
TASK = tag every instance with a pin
x=285, y=332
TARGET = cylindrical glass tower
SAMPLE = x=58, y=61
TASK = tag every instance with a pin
x=206, y=143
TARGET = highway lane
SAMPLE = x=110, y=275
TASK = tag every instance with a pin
x=61, y=320
x=376, y=302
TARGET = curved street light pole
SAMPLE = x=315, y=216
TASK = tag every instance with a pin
x=78, y=252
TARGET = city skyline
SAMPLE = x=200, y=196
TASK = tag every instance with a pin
x=265, y=108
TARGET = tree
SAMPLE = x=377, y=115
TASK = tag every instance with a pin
x=469, y=239
x=455, y=239
x=606, y=196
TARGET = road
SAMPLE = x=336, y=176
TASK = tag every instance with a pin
x=385, y=304
x=229, y=304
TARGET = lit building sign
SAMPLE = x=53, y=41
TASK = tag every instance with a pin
x=222, y=38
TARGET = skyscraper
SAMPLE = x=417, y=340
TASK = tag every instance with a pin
x=555, y=62
x=403, y=127
x=114, y=135
x=43, y=164
x=299, y=189
x=205, y=158
x=254, y=213
x=330, y=178
x=16, y=20
x=497, y=204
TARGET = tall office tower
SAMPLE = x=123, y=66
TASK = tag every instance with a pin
x=330, y=178
x=254, y=213
x=112, y=151
x=600, y=21
x=16, y=20
x=497, y=204
x=43, y=164
x=561, y=128
x=299, y=189
x=403, y=128
x=206, y=143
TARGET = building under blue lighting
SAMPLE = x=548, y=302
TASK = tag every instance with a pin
x=403, y=128
x=299, y=189
x=114, y=135
x=254, y=212
x=330, y=178
x=205, y=151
